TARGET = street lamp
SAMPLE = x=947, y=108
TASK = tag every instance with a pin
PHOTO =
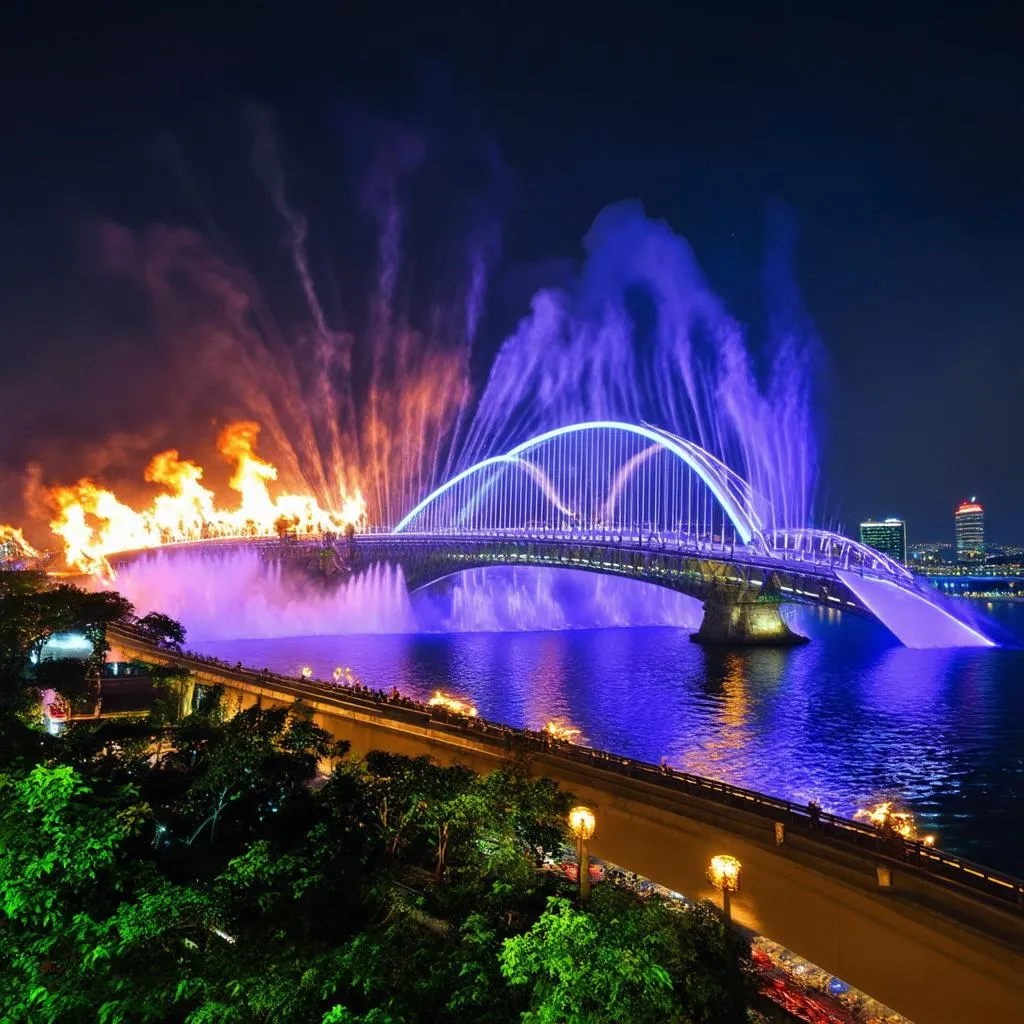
x=724, y=874
x=582, y=823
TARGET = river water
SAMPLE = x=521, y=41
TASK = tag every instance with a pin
x=847, y=720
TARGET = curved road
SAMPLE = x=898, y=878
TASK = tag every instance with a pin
x=942, y=940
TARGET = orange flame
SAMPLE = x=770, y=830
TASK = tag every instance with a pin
x=456, y=705
x=10, y=535
x=93, y=524
x=883, y=816
x=561, y=731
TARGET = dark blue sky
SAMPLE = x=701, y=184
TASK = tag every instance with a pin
x=896, y=138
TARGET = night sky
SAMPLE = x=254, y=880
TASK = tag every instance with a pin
x=897, y=141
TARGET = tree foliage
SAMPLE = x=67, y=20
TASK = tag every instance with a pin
x=162, y=629
x=32, y=611
x=203, y=869
x=589, y=968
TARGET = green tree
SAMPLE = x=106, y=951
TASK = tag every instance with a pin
x=29, y=618
x=342, y=1015
x=93, y=612
x=162, y=630
x=22, y=581
x=452, y=807
x=174, y=688
x=586, y=968
x=706, y=959
x=397, y=790
x=477, y=991
x=160, y=949
x=70, y=678
x=248, y=767
x=525, y=819
x=27, y=621
x=59, y=839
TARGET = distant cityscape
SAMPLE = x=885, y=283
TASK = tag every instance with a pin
x=965, y=566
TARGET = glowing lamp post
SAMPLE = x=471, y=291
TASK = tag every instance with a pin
x=582, y=823
x=724, y=874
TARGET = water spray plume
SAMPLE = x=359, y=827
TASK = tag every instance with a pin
x=94, y=524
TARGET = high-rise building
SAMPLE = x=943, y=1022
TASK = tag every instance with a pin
x=970, y=530
x=886, y=535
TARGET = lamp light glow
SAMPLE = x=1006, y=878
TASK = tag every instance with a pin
x=724, y=873
x=582, y=822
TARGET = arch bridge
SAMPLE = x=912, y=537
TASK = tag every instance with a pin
x=636, y=501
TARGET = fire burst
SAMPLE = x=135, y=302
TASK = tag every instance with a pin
x=93, y=523
x=902, y=823
x=14, y=540
x=562, y=732
x=457, y=706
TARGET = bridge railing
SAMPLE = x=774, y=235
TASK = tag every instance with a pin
x=819, y=825
x=641, y=538
x=652, y=542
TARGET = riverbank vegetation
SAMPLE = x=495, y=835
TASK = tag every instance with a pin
x=208, y=868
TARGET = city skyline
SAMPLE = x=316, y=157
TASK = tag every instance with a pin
x=950, y=542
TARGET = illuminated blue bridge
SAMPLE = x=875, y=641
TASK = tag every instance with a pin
x=638, y=502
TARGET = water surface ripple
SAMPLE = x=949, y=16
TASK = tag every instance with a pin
x=848, y=719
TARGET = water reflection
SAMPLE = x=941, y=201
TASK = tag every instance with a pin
x=724, y=690
x=846, y=720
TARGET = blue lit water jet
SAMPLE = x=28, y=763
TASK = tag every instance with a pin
x=236, y=593
x=581, y=354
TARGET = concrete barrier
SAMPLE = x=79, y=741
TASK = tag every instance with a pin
x=937, y=951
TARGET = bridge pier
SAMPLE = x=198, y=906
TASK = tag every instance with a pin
x=742, y=618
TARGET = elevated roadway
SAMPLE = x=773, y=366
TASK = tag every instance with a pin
x=936, y=938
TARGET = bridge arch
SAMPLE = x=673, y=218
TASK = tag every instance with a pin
x=839, y=551
x=596, y=477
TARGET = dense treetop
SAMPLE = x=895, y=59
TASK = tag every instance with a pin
x=208, y=868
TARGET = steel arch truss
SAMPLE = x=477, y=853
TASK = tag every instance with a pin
x=823, y=546
x=597, y=479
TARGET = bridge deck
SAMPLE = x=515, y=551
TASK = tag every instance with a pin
x=944, y=943
x=931, y=862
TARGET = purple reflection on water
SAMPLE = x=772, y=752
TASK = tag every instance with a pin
x=849, y=718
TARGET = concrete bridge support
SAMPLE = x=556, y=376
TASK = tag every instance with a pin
x=742, y=618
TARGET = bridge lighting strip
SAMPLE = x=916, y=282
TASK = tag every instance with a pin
x=739, y=517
